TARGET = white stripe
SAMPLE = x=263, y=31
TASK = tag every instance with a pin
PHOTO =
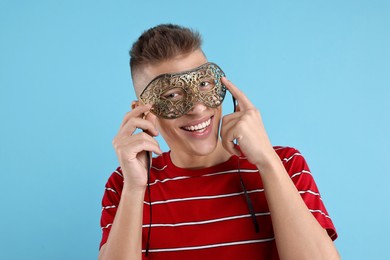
x=309, y=191
x=205, y=221
x=205, y=175
x=108, y=207
x=119, y=173
x=203, y=197
x=159, y=169
x=299, y=173
x=108, y=225
x=111, y=190
x=211, y=246
x=230, y=171
x=169, y=179
x=318, y=211
x=288, y=159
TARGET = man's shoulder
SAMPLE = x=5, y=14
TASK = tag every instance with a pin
x=284, y=151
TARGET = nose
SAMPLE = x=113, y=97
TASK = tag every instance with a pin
x=198, y=108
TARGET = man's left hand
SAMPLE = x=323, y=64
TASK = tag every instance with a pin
x=246, y=126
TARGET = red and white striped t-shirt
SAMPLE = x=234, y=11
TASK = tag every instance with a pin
x=203, y=214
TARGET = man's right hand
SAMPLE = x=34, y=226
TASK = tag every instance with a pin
x=131, y=147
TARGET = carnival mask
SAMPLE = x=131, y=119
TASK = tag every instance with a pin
x=173, y=95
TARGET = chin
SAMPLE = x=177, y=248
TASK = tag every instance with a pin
x=203, y=149
x=204, y=152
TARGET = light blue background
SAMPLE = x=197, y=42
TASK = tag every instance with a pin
x=317, y=70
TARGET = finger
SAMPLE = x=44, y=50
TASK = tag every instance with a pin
x=139, y=111
x=133, y=124
x=137, y=143
x=136, y=119
x=147, y=143
x=137, y=122
x=231, y=117
x=228, y=137
x=244, y=102
x=230, y=146
x=138, y=147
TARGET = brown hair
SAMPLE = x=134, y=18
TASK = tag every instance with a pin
x=163, y=42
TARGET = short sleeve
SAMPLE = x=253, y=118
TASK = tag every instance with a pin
x=110, y=202
x=300, y=174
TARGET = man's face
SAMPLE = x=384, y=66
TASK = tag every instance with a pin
x=196, y=132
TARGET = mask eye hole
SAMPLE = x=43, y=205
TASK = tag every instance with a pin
x=174, y=94
x=206, y=84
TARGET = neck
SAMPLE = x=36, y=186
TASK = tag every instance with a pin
x=191, y=161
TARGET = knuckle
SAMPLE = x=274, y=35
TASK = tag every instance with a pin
x=117, y=146
x=252, y=112
x=114, y=142
x=143, y=140
x=144, y=135
x=240, y=124
x=141, y=143
x=131, y=122
x=224, y=119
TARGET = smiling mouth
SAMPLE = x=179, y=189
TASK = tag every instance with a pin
x=199, y=127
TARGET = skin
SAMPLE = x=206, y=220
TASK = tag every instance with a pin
x=203, y=150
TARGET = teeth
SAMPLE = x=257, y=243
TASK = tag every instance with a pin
x=198, y=127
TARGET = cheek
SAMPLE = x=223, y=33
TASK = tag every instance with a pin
x=166, y=129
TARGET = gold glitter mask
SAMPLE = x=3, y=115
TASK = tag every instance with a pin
x=173, y=95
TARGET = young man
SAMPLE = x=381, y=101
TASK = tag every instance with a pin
x=207, y=198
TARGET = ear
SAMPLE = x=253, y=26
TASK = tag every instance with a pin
x=135, y=103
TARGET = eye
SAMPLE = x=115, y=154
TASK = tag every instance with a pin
x=173, y=94
x=206, y=84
